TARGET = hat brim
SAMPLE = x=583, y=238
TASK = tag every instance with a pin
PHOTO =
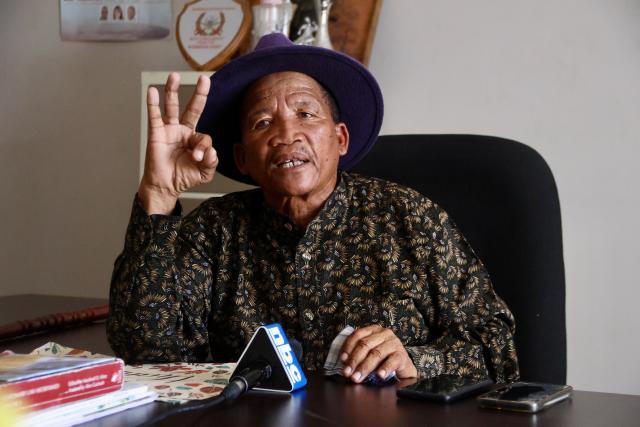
x=354, y=88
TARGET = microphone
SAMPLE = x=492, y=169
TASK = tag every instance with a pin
x=269, y=363
x=246, y=380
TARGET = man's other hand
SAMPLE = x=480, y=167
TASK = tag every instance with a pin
x=178, y=158
x=375, y=348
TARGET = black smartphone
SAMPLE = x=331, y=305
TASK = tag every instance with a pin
x=525, y=396
x=444, y=388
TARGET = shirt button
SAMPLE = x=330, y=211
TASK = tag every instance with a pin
x=308, y=314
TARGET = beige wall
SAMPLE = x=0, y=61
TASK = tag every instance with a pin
x=561, y=76
x=69, y=123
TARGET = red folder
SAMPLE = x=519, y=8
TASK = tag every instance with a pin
x=39, y=391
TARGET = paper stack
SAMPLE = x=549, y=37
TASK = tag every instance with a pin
x=81, y=411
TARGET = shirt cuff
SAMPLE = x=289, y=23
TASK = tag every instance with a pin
x=144, y=229
x=428, y=361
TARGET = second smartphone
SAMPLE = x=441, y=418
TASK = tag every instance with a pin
x=444, y=388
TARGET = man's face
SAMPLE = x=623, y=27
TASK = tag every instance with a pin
x=290, y=143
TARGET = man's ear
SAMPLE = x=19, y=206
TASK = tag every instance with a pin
x=239, y=157
x=342, y=133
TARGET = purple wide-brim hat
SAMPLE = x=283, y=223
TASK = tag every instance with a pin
x=354, y=88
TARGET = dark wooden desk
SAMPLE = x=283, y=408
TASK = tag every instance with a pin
x=331, y=403
x=21, y=307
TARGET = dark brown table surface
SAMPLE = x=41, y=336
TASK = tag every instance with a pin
x=327, y=402
x=21, y=307
x=28, y=306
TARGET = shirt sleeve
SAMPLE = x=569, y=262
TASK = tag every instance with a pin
x=473, y=326
x=158, y=303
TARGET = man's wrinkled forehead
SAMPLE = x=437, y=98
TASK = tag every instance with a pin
x=262, y=88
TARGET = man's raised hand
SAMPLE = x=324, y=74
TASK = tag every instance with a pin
x=178, y=158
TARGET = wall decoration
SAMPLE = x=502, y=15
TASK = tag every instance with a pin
x=114, y=20
x=210, y=32
x=352, y=25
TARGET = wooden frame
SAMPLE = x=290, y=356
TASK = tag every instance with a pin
x=229, y=50
x=352, y=27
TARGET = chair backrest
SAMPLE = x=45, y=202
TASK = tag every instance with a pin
x=503, y=197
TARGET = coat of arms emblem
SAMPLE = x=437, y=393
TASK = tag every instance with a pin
x=209, y=24
x=210, y=32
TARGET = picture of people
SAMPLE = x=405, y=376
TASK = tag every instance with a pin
x=114, y=20
x=117, y=13
x=104, y=13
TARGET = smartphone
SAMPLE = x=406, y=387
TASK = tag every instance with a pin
x=525, y=396
x=444, y=388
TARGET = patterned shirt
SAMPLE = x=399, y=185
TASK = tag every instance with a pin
x=196, y=288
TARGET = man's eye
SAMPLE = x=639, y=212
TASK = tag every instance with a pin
x=305, y=114
x=262, y=124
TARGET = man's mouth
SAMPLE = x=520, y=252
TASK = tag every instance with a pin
x=289, y=161
x=290, y=164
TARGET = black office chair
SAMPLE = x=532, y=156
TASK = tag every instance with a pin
x=503, y=197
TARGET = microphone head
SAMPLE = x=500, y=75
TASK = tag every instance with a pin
x=270, y=344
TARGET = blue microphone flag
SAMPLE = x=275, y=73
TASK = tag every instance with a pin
x=269, y=343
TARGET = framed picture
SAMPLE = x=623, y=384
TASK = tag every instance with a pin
x=114, y=20
x=210, y=32
x=352, y=27
x=352, y=24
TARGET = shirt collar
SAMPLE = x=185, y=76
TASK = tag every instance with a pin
x=334, y=207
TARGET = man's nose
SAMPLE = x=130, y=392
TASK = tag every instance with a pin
x=286, y=132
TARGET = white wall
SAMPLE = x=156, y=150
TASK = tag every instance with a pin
x=561, y=76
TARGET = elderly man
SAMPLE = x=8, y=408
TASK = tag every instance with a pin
x=314, y=248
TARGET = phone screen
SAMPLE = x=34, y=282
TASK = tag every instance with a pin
x=525, y=397
x=525, y=392
x=443, y=384
x=445, y=388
